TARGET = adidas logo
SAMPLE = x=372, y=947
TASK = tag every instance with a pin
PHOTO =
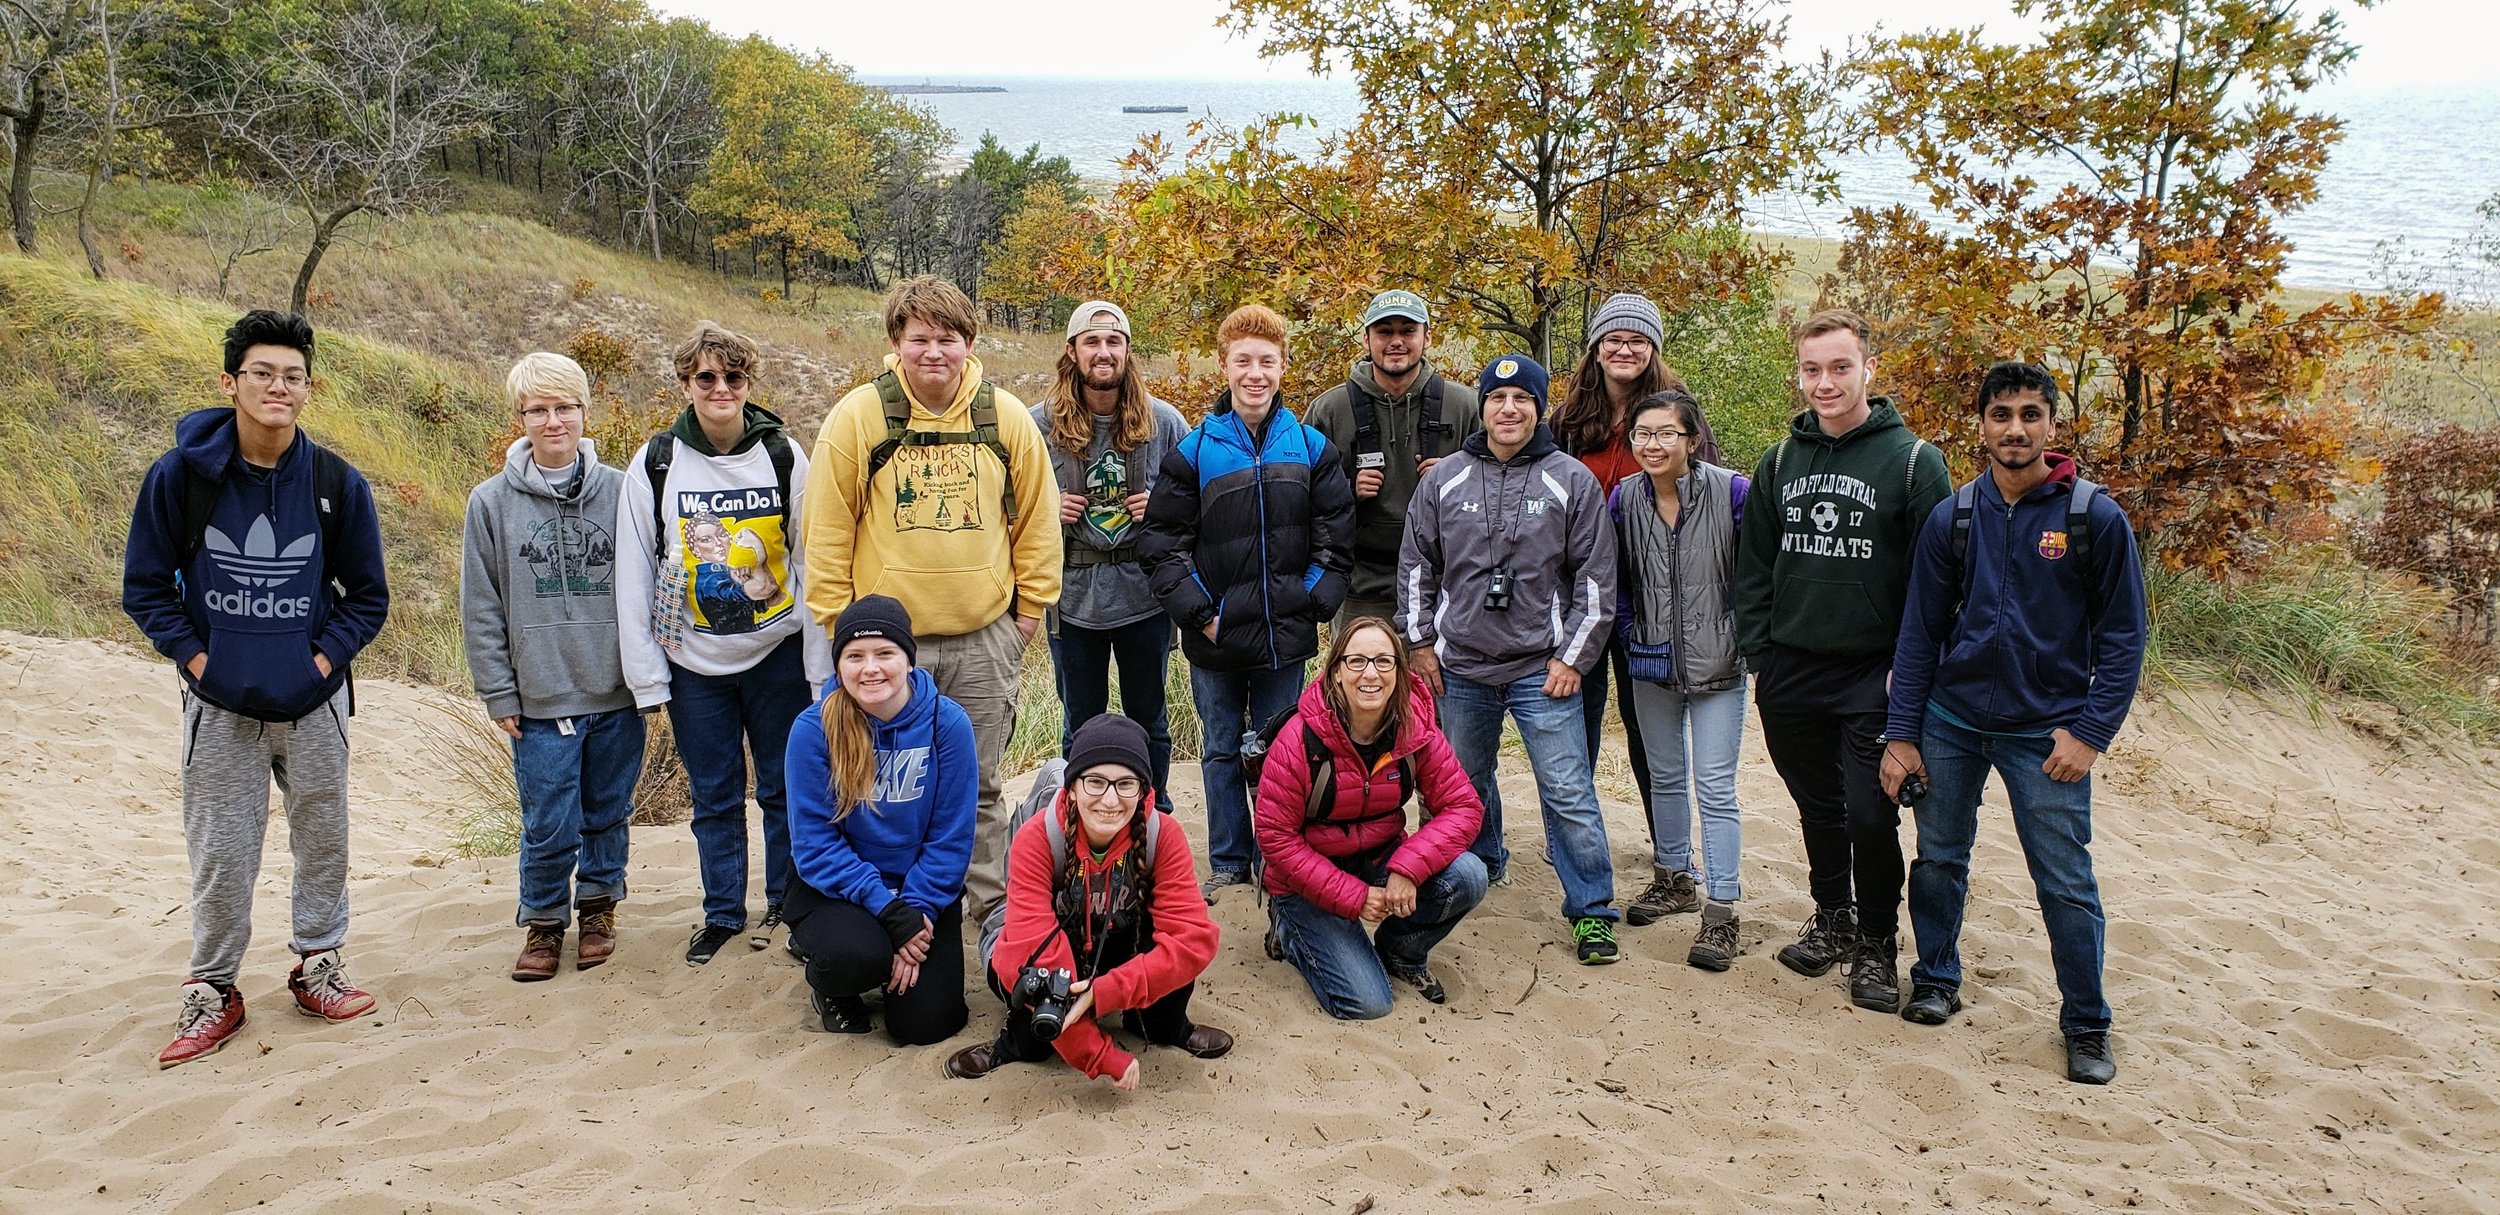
x=258, y=561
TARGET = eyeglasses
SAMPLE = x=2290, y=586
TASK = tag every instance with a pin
x=1657, y=438
x=1360, y=663
x=1623, y=343
x=1128, y=787
x=537, y=415
x=262, y=378
x=706, y=379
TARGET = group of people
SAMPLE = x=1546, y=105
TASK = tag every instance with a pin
x=853, y=615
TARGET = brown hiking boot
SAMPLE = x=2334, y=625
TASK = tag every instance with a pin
x=1716, y=947
x=1668, y=894
x=598, y=938
x=973, y=1062
x=541, y=951
x=1874, y=975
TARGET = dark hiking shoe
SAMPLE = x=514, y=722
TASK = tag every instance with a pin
x=598, y=933
x=1829, y=937
x=1668, y=894
x=1275, y=948
x=541, y=951
x=762, y=937
x=2088, y=1060
x=1931, y=1006
x=841, y=1014
x=1596, y=938
x=1217, y=881
x=1715, y=948
x=1422, y=981
x=1874, y=977
x=706, y=942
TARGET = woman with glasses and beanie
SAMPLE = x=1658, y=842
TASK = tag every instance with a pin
x=1675, y=618
x=1103, y=916
x=884, y=779
x=1355, y=899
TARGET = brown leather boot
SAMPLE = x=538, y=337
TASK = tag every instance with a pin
x=598, y=938
x=541, y=951
x=973, y=1062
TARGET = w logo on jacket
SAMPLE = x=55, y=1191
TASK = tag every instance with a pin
x=258, y=560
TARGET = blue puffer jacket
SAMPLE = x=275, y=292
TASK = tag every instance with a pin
x=2043, y=641
x=913, y=839
x=1255, y=533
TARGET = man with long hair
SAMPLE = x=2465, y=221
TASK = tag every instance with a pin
x=1107, y=440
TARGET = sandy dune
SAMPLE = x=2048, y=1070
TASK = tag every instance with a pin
x=2304, y=953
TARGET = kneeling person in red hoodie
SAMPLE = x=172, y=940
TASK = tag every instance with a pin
x=1103, y=915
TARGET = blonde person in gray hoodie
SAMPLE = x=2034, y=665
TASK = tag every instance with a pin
x=538, y=616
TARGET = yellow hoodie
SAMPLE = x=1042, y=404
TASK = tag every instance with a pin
x=928, y=530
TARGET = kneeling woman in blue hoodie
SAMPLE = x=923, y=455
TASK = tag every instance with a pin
x=883, y=781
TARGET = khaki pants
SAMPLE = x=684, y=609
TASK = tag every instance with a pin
x=983, y=671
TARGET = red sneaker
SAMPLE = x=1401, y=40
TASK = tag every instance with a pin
x=322, y=990
x=209, y=1017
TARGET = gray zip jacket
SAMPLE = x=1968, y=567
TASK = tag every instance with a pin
x=1541, y=513
x=538, y=590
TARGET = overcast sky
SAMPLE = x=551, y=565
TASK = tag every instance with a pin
x=2403, y=42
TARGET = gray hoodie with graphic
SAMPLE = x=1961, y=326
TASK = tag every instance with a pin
x=1539, y=514
x=538, y=590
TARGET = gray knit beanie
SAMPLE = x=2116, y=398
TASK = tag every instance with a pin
x=1627, y=311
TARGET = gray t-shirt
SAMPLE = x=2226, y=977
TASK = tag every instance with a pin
x=1109, y=594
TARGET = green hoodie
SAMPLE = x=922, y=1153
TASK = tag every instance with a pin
x=689, y=430
x=1823, y=556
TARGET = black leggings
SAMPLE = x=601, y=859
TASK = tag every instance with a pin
x=1618, y=664
x=1166, y=1021
x=848, y=954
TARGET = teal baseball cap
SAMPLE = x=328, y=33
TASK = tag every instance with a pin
x=1396, y=303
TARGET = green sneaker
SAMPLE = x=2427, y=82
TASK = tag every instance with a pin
x=1597, y=940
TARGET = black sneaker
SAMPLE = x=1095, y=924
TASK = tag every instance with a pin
x=762, y=937
x=707, y=941
x=1424, y=984
x=1874, y=976
x=1668, y=894
x=1715, y=947
x=2088, y=1060
x=1829, y=937
x=840, y=1014
x=1931, y=1006
x=1597, y=940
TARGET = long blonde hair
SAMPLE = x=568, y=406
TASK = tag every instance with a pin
x=851, y=746
x=1072, y=421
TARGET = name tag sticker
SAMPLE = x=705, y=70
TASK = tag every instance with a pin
x=1370, y=459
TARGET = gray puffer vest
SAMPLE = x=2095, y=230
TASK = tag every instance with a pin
x=1676, y=610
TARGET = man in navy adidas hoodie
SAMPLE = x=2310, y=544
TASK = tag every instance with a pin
x=2019, y=651
x=255, y=563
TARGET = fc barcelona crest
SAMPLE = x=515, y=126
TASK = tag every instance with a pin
x=2052, y=545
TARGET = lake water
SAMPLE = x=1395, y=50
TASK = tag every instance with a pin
x=2413, y=163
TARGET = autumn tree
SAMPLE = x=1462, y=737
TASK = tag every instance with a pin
x=2108, y=197
x=794, y=156
x=1555, y=137
x=2440, y=520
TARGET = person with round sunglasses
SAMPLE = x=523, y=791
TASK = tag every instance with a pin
x=1356, y=900
x=1675, y=618
x=1103, y=916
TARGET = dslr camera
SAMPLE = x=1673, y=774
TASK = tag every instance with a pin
x=1043, y=992
x=1497, y=592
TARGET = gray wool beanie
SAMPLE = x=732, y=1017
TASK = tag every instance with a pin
x=1627, y=311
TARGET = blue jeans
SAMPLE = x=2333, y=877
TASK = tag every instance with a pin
x=2054, y=821
x=1230, y=704
x=718, y=721
x=576, y=778
x=1348, y=967
x=1717, y=724
x=1081, y=660
x=1575, y=830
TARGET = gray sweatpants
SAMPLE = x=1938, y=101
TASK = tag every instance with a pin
x=983, y=671
x=227, y=763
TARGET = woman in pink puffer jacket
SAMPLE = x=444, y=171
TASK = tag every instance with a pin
x=1331, y=822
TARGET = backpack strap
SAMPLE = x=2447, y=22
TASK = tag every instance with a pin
x=1432, y=428
x=657, y=456
x=2079, y=546
x=777, y=446
x=898, y=432
x=1965, y=504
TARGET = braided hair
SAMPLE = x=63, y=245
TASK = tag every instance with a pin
x=1139, y=884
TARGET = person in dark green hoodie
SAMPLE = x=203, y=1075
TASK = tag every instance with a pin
x=1822, y=572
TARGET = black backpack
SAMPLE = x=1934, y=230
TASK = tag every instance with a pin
x=661, y=453
x=1428, y=433
x=1322, y=797
x=2078, y=542
x=898, y=434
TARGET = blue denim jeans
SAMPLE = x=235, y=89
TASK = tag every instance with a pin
x=1716, y=721
x=1346, y=965
x=1575, y=830
x=1230, y=704
x=576, y=778
x=1081, y=658
x=719, y=720
x=2054, y=821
